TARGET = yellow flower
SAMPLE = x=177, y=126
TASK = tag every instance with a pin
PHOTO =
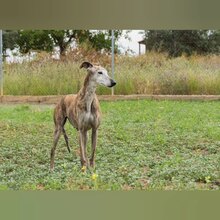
x=94, y=176
x=208, y=179
x=83, y=168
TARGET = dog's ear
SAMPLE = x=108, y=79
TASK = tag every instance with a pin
x=86, y=65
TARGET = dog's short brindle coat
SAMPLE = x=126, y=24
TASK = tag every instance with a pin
x=82, y=111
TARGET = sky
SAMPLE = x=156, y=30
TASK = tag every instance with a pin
x=133, y=45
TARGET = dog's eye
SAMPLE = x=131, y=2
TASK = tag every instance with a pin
x=99, y=72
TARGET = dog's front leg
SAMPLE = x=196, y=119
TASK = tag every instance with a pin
x=94, y=141
x=83, y=141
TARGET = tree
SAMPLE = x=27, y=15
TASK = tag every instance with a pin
x=62, y=39
x=215, y=41
x=47, y=40
x=9, y=40
x=177, y=42
x=37, y=40
x=101, y=39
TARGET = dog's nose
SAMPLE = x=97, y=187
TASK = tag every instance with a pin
x=113, y=83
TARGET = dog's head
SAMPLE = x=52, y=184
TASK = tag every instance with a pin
x=99, y=74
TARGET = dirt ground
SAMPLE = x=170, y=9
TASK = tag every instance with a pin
x=54, y=99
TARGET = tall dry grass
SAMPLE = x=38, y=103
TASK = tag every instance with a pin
x=146, y=74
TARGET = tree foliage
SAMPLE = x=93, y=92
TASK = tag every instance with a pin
x=100, y=39
x=62, y=39
x=37, y=40
x=10, y=38
x=47, y=40
x=177, y=42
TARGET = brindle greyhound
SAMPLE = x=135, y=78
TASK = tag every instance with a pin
x=82, y=111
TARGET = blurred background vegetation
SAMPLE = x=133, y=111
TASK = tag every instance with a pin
x=175, y=62
x=173, y=42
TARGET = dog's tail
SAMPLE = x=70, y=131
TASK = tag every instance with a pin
x=66, y=140
x=68, y=148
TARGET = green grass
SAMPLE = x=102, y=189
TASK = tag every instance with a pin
x=148, y=145
x=147, y=74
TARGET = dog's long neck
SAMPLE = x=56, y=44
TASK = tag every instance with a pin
x=87, y=92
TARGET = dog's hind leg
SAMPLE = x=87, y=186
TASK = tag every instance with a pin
x=59, y=121
x=57, y=134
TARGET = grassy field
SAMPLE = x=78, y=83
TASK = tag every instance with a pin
x=148, y=145
x=147, y=74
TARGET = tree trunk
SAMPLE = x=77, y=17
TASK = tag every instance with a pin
x=62, y=51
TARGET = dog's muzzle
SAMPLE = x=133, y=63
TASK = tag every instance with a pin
x=113, y=83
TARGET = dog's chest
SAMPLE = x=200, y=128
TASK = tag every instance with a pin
x=88, y=117
x=87, y=120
